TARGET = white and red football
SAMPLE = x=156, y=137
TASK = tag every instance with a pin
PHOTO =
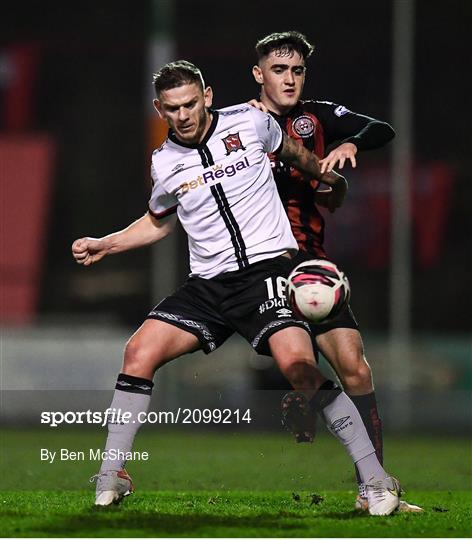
x=318, y=290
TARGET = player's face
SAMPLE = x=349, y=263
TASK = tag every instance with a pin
x=186, y=110
x=282, y=76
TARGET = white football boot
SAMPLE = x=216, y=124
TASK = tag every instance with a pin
x=362, y=504
x=383, y=496
x=407, y=507
x=112, y=486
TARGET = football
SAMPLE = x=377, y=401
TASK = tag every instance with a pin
x=318, y=290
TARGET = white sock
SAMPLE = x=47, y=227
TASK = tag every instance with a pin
x=369, y=468
x=132, y=395
x=345, y=423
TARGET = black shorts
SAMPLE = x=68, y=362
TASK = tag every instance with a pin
x=345, y=319
x=250, y=302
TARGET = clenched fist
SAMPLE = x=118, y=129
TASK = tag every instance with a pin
x=88, y=250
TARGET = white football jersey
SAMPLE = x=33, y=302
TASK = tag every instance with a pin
x=224, y=192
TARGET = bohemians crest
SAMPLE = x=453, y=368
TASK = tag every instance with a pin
x=303, y=126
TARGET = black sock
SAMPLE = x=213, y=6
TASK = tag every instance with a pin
x=367, y=407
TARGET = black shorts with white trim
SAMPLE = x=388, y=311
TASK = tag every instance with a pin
x=250, y=302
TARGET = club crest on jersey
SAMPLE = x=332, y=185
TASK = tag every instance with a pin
x=233, y=143
x=303, y=126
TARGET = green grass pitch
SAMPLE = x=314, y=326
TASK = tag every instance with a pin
x=229, y=485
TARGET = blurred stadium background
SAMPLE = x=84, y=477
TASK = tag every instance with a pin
x=76, y=130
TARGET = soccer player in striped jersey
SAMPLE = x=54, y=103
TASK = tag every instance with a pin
x=214, y=173
x=317, y=125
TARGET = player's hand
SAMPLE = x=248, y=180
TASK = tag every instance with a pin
x=258, y=105
x=88, y=250
x=332, y=198
x=322, y=197
x=338, y=156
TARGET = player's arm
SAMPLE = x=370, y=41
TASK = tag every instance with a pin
x=329, y=198
x=350, y=132
x=143, y=232
x=274, y=140
x=307, y=162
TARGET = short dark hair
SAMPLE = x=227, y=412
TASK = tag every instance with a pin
x=175, y=74
x=286, y=42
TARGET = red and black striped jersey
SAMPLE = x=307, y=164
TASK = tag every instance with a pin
x=318, y=125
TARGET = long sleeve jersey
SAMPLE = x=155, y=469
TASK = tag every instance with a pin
x=319, y=125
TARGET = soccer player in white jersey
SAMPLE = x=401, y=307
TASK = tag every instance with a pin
x=214, y=173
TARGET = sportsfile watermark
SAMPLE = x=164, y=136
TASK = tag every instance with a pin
x=118, y=416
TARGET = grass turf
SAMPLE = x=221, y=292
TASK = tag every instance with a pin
x=227, y=514
x=233, y=484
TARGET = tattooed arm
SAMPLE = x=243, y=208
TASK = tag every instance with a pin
x=308, y=163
